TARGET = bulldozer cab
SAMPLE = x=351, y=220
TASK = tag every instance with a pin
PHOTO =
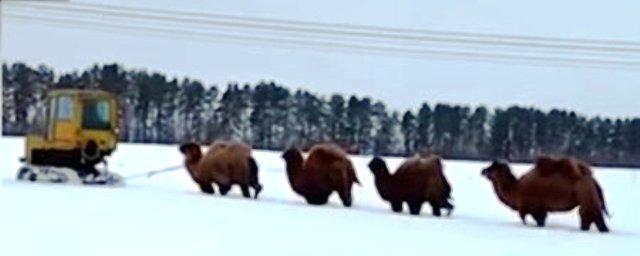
x=74, y=128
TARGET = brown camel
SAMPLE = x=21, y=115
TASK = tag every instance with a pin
x=419, y=179
x=553, y=185
x=225, y=164
x=326, y=169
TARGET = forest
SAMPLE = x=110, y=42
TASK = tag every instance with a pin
x=155, y=108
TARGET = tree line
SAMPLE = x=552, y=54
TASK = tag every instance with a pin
x=159, y=109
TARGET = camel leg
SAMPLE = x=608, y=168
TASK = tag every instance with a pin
x=346, y=198
x=415, y=207
x=589, y=217
x=585, y=223
x=523, y=216
x=344, y=191
x=224, y=189
x=449, y=207
x=435, y=208
x=257, y=188
x=245, y=191
x=396, y=206
x=317, y=200
x=253, y=177
x=602, y=227
x=443, y=203
x=540, y=218
x=591, y=211
x=206, y=188
x=586, y=218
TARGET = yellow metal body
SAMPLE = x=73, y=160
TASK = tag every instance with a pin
x=69, y=119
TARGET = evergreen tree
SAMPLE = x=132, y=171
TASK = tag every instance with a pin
x=337, y=119
x=409, y=132
x=632, y=136
x=269, y=115
x=211, y=122
x=424, y=132
x=383, y=125
x=192, y=108
x=311, y=117
x=359, y=125
x=231, y=113
x=476, y=136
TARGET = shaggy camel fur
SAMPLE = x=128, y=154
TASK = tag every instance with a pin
x=225, y=164
x=553, y=185
x=326, y=169
x=418, y=180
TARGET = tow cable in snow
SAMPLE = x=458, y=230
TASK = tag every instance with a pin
x=150, y=174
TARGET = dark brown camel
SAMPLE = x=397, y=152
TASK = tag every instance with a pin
x=326, y=169
x=225, y=164
x=553, y=185
x=418, y=180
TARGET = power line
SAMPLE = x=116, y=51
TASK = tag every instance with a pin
x=314, y=44
x=348, y=30
x=519, y=52
x=367, y=27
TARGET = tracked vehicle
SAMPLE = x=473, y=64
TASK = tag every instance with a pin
x=73, y=133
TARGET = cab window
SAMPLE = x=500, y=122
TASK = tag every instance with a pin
x=64, y=108
x=95, y=114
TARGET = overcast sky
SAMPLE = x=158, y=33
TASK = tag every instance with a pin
x=400, y=82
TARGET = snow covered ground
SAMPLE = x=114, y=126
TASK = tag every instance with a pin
x=166, y=215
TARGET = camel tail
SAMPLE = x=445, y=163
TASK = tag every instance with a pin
x=601, y=197
x=446, y=187
x=254, y=180
x=353, y=175
x=253, y=171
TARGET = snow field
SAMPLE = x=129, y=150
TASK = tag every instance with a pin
x=167, y=215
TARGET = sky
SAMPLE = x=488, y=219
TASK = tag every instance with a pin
x=399, y=81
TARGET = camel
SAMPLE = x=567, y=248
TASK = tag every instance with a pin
x=326, y=169
x=418, y=180
x=225, y=164
x=555, y=184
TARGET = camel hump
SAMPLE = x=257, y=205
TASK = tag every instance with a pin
x=584, y=168
x=227, y=160
x=327, y=154
x=328, y=151
x=566, y=166
x=229, y=145
x=432, y=164
x=219, y=144
x=336, y=157
x=240, y=149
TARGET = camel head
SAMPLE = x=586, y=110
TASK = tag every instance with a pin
x=378, y=166
x=192, y=155
x=498, y=170
x=292, y=155
x=191, y=151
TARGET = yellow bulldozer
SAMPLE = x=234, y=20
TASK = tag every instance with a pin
x=73, y=133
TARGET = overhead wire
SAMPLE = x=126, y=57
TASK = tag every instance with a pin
x=306, y=43
x=372, y=30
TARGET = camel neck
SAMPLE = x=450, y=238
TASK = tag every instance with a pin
x=192, y=164
x=294, y=173
x=507, y=190
x=383, y=182
x=191, y=167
